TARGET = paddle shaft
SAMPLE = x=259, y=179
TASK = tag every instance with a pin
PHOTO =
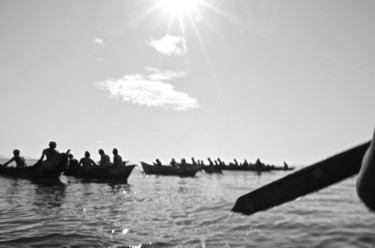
x=302, y=182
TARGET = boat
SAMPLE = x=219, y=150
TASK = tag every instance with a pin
x=210, y=169
x=282, y=168
x=251, y=167
x=46, y=170
x=167, y=170
x=105, y=173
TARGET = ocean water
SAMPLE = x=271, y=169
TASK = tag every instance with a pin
x=164, y=211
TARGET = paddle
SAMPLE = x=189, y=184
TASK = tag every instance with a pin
x=302, y=182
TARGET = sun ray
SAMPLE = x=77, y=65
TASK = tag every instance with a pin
x=208, y=62
x=179, y=8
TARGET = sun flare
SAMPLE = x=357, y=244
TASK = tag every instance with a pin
x=179, y=7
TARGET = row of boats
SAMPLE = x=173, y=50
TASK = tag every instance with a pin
x=52, y=169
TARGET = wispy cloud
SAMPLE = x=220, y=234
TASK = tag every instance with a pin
x=99, y=41
x=159, y=75
x=170, y=45
x=149, y=90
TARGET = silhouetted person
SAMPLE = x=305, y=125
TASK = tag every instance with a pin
x=104, y=158
x=210, y=162
x=193, y=160
x=117, y=160
x=49, y=152
x=245, y=163
x=220, y=162
x=366, y=178
x=158, y=163
x=73, y=163
x=235, y=162
x=258, y=164
x=20, y=161
x=183, y=163
x=86, y=161
x=285, y=166
x=173, y=163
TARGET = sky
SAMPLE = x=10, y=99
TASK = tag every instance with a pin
x=290, y=80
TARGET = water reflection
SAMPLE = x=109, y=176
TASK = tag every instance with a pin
x=174, y=212
x=49, y=194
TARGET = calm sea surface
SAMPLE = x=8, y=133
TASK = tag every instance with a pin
x=157, y=211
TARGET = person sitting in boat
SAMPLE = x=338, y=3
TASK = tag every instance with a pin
x=210, y=161
x=183, y=163
x=73, y=163
x=117, y=160
x=104, y=158
x=49, y=152
x=193, y=160
x=87, y=161
x=285, y=166
x=220, y=162
x=245, y=163
x=158, y=163
x=258, y=164
x=20, y=161
x=174, y=163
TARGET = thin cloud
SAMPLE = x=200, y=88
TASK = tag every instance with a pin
x=99, y=41
x=170, y=45
x=158, y=75
x=141, y=90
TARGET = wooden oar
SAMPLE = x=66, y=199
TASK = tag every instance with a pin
x=302, y=182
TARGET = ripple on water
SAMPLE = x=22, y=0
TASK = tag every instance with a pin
x=155, y=211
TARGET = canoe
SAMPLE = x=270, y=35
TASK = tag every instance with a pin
x=212, y=169
x=108, y=173
x=234, y=167
x=281, y=168
x=302, y=182
x=169, y=170
x=49, y=169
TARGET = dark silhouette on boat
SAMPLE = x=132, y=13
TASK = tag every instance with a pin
x=181, y=170
x=47, y=170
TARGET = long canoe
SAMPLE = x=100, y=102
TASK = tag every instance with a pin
x=234, y=167
x=302, y=182
x=109, y=173
x=169, y=170
x=211, y=169
x=281, y=168
x=49, y=169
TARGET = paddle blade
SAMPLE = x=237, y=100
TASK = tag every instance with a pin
x=302, y=182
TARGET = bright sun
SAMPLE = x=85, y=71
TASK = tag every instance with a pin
x=179, y=7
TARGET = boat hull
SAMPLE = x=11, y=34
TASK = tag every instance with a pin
x=169, y=170
x=246, y=168
x=47, y=170
x=110, y=173
x=212, y=169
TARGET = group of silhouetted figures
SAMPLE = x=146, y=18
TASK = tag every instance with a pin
x=85, y=162
x=218, y=163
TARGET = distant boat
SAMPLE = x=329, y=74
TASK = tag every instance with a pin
x=169, y=170
x=108, y=173
x=249, y=167
x=210, y=169
x=46, y=170
x=282, y=168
